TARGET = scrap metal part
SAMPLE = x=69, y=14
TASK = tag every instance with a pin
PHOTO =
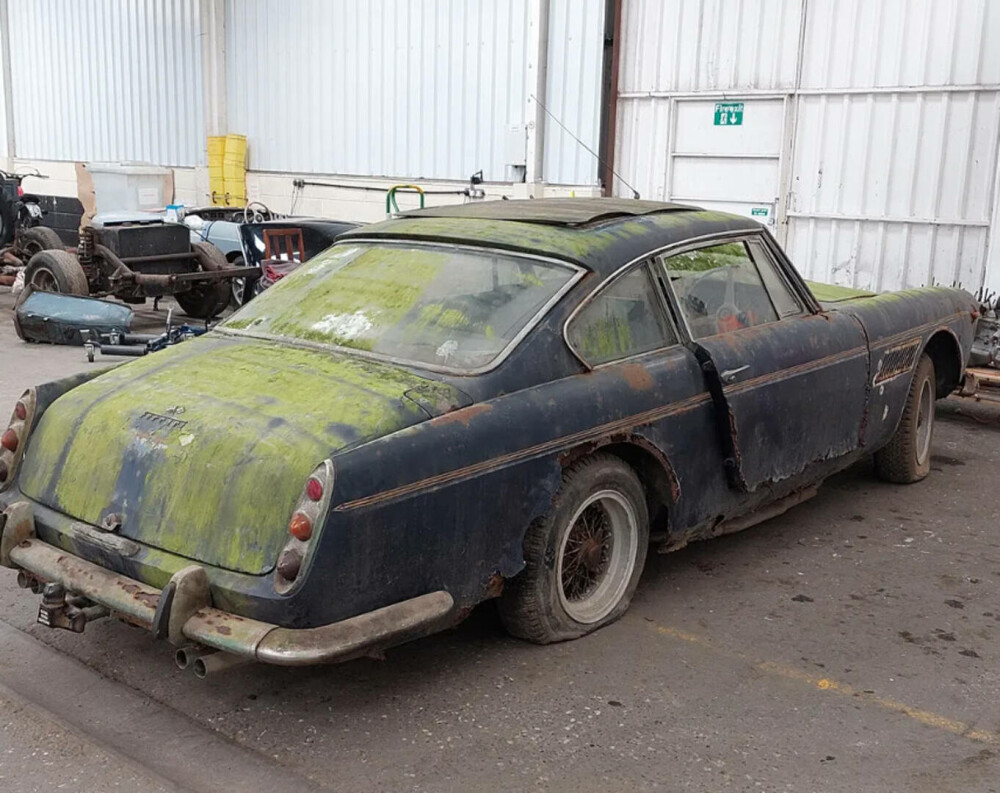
x=986, y=344
x=66, y=319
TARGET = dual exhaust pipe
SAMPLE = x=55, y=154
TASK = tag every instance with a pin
x=204, y=662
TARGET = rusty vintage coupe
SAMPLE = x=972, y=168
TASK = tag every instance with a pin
x=505, y=399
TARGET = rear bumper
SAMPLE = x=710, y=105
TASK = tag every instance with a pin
x=140, y=604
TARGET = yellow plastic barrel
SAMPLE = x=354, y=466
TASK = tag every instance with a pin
x=216, y=179
x=234, y=169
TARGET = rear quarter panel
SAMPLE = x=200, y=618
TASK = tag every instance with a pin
x=445, y=504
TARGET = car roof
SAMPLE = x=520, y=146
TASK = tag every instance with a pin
x=600, y=234
x=554, y=211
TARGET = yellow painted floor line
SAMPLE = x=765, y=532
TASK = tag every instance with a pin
x=827, y=684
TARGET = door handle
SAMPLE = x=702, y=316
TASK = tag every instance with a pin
x=730, y=375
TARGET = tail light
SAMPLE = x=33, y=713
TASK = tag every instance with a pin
x=20, y=191
x=14, y=437
x=303, y=526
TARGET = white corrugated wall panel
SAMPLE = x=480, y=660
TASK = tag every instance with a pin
x=107, y=80
x=708, y=45
x=641, y=148
x=889, y=43
x=896, y=142
x=898, y=185
x=421, y=88
x=890, y=138
x=3, y=115
x=685, y=47
x=573, y=90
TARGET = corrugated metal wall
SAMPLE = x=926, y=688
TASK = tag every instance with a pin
x=875, y=123
x=3, y=112
x=573, y=90
x=422, y=88
x=107, y=80
x=428, y=89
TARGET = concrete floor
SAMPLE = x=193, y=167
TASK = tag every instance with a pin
x=850, y=645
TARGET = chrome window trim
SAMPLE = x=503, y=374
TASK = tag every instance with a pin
x=706, y=242
x=578, y=272
x=782, y=277
x=674, y=247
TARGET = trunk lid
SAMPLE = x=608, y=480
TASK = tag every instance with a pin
x=203, y=449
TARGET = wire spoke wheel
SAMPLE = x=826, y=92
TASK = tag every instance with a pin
x=597, y=556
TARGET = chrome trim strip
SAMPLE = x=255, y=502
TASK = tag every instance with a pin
x=578, y=273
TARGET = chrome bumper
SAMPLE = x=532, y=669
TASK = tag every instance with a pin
x=139, y=604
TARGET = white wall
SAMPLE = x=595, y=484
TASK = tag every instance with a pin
x=870, y=130
x=107, y=81
x=573, y=90
x=406, y=90
x=426, y=89
x=3, y=102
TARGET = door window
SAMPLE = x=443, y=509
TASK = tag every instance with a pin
x=787, y=303
x=625, y=319
x=727, y=287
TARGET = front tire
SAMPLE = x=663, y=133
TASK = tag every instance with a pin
x=584, y=559
x=907, y=456
x=56, y=271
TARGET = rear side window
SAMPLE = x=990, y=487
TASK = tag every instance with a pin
x=626, y=318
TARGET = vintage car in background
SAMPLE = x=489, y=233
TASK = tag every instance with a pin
x=280, y=245
x=503, y=399
x=254, y=236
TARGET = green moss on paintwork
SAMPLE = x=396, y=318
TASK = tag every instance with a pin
x=258, y=417
x=343, y=296
x=830, y=293
x=577, y=244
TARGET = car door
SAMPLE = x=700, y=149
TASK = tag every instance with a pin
x=794, y=379
x=654, y=388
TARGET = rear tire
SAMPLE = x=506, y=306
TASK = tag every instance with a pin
x=907, y=456
x=56, y=271
x=39, y=238
x=584, y=559
x=206, y=300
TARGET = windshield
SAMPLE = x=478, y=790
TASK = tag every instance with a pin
x=449, y=307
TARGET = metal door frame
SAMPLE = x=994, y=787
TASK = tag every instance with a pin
x=778, y=219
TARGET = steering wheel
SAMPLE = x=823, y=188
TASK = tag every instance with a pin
x=728, y=316
x=256, y=212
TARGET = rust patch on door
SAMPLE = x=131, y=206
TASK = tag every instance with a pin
x=637, y=376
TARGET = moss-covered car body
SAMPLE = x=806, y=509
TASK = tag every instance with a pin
x=197, y=455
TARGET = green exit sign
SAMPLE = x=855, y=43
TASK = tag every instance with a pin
x=728, y=114
x=759, y=212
